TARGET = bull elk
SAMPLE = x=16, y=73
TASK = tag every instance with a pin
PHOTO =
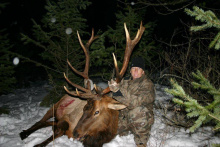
x=93, y=121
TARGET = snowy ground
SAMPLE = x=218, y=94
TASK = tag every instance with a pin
x=25, y=111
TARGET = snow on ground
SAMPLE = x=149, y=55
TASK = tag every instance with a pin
x=25, y=111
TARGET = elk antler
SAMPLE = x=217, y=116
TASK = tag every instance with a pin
x=88, y=93
x=130, y=44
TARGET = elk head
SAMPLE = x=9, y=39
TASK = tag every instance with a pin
x=99, y=122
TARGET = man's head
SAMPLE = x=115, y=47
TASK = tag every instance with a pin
x=137, y=67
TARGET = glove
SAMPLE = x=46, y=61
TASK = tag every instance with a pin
x=113, y=86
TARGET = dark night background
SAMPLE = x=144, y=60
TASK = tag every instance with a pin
x=16, y=18
x=170, y=48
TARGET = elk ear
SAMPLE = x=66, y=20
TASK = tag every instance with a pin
x=116, y=106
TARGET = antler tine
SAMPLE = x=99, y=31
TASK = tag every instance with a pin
x=75, y=85
x=82, y=95
x=84, y=74
x=116, y=69
x=126, y=33
x=69, y=92
x=91, y=39
x=107, y=90
x=86, y=50
x=130, y=44
x=88, y=93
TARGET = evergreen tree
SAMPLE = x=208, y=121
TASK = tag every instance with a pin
x=209, y=19
x=210, y=112
x=114, y=41
x=7, y=80
x=205, y=114
x=57, y=36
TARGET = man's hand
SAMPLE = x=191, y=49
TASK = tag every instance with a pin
x=114, y=87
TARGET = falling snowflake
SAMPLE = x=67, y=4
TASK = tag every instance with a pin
x=132, y=3
x=53, y=20
x=16, y=61
x=69, y=31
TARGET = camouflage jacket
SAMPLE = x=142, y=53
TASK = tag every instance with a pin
x=135, y=93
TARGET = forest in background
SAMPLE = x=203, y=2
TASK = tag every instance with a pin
x=43, y=36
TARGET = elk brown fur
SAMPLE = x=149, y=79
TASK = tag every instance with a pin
x=95, y=121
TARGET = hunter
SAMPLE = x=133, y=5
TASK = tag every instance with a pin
x=138, y=94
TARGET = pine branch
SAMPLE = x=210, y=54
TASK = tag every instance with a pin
x=192, y=107
x=215, y=42
x=209, y=19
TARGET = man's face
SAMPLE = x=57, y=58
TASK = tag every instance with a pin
x=136, y=72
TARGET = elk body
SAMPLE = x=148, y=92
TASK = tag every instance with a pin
x=67, y=112
x=93, y=121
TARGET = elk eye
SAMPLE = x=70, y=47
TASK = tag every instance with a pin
x=97, y=112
